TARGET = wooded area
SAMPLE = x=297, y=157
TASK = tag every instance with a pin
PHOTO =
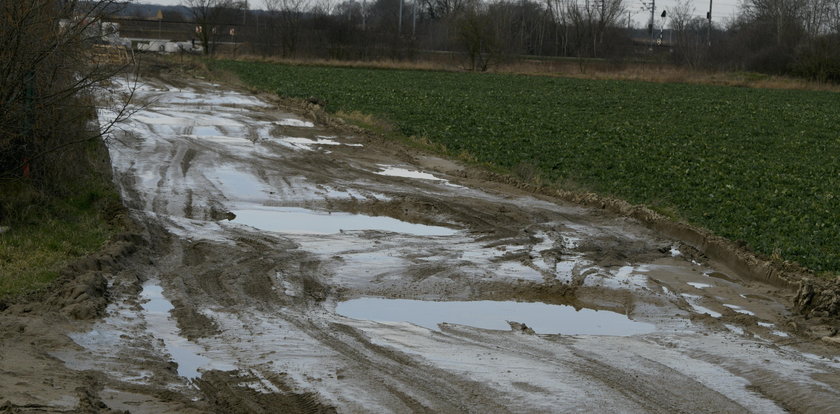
x=796, y=37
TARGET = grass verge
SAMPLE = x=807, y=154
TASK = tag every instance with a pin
x=756, y=166
x=46, y=229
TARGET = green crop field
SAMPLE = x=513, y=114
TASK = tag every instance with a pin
x=762, y=166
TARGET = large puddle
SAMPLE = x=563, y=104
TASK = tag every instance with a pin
x=542, y=318
x=304, y=221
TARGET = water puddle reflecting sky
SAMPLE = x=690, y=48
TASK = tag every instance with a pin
x=542, y=318
x=304, y=221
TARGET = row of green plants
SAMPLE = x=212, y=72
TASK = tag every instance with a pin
x=753, y=165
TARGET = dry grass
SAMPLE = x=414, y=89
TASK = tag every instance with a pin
x=366, y=121
x=674, y=74
x=582, y=69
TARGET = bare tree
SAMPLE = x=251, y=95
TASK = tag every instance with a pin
x=590, y=22
x=288, y=15
x=834, y=17
x=48, y=70
x=558, y=10
x=207, y=15
x=691, y=45
x=816, y=17
x=439, y=9
x=476, y=33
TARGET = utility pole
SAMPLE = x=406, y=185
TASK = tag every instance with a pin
x=399, y=22
x=652, y=22
x=709, y=33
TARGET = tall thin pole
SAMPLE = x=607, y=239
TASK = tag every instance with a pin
x=414, y=21
x=709, y=33
x=652, y=22
x=399, y=24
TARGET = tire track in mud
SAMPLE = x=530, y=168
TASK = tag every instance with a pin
x=225, y=395
x=440, y=391
x=648, y=392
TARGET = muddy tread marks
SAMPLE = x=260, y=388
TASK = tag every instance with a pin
x=186, y=160
x=651, y=393
x=389, y=368
x=226, y=395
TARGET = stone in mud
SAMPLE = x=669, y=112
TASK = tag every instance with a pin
x=82, y=298
x=520, y=327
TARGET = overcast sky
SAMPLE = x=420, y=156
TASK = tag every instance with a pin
x=722, y=10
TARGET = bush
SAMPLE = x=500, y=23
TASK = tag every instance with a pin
x=819, y=60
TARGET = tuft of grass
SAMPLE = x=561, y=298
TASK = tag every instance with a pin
x=31, y=256
x=757, y=165
x=366, y=121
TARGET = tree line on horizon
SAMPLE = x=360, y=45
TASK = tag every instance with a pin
x=793, y=37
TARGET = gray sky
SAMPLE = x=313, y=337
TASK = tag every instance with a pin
x=723, y=10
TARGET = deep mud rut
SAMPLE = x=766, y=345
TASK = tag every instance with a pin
x=295, y=267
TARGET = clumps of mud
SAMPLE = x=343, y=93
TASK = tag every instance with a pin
x=85, y=297
x=81, y=290
x=554, y=293
x=419, y=210
x=226, y=392
x=818, y=298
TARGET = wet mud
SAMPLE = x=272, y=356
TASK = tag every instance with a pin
x=291, y=265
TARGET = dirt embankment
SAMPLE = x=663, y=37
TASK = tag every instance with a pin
x=35, y=326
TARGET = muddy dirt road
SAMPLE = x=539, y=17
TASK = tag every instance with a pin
x=294, y=267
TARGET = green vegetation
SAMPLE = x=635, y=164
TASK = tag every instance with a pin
x=47, y=228
x=761, y=166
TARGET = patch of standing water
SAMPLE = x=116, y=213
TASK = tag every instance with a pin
x=675, y=252
x=692, y=301
x=699, y=285
x=304, y=221
x=156, y=310
x=402, y=172
x=295, y=123
x=392, y=171
x=739, y=309
x=542, y=318
x=238, y=184
x=307, y=144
